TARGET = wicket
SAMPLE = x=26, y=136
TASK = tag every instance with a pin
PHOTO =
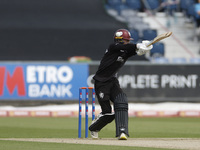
x=86, y=108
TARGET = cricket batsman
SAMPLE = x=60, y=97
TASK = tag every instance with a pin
x=107, y=86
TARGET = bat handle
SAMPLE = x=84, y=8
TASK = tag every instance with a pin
x=150, y=43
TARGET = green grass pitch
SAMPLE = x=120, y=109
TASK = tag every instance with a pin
x=68, y=128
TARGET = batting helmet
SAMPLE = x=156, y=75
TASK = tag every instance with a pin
x=122, y=34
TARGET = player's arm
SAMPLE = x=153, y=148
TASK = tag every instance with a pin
x=142, y=47
x=129, y=48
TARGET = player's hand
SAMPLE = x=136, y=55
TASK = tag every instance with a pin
x=146, y=42
x=142, y=48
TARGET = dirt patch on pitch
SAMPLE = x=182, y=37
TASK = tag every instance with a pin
x=172, y=143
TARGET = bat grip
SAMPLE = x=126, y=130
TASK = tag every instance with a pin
x=150, y=43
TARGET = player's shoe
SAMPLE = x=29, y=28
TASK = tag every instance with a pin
x=94, y=134
x=122, y=136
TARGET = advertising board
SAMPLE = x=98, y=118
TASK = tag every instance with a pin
x=153, y=82
x=41, y=81
x=142, y=82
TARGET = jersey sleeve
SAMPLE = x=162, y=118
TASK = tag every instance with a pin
x=129, y=48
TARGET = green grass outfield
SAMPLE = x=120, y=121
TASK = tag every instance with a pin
x=68, y=128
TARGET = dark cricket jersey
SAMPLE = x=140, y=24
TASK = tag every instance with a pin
x=114, y=58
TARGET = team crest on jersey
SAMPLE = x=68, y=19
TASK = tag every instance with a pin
x=101, y=95
x=120, y=59
x=106, y=51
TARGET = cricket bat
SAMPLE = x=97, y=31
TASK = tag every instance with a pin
x=160, y=37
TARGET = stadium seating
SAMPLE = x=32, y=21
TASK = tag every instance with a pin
x=142, y=29
x=190, y=10
x=161, y=60
x=117, y=5
x=149, y=34
x=194, y=60
x=134, y=4
x=158, y=50
x=121, y=7
x=152, y=4
x=135, y=35
x=139, y=27
x=184, y=4
x=179, y=60
x=113, y=3
x=170, y=7
x=135, y=20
